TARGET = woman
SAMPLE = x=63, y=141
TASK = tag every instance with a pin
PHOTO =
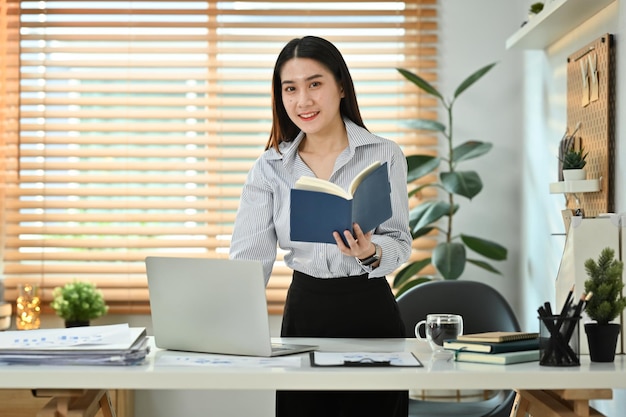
x=337, y=290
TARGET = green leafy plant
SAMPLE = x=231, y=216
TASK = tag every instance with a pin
x=449, y=256
x=574, y=159
x=605, y=283
x=536, y=8
x=78, y=301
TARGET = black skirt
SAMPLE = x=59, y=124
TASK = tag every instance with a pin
x=353, y=306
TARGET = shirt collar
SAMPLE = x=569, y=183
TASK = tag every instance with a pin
x=357, y=136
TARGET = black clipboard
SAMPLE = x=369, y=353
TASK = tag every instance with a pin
x=364, y=359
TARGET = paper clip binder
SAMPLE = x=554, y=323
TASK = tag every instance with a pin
x=364, y=359
x=366, y=362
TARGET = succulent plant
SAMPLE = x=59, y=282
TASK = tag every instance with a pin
x=574, y=159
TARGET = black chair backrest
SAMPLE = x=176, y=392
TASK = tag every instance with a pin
x=483, y=308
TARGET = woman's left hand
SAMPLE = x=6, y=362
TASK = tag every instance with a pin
x=360, y=245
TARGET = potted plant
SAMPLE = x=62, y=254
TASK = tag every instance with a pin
x=574, y=162
x=606, y=303
x=78, y=303
x=449, y=257
x=535, y=8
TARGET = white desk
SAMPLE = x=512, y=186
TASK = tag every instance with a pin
x=434, y=375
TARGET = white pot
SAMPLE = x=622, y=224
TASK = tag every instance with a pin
x=574, y=174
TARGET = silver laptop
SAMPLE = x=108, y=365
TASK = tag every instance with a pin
x=211, y=306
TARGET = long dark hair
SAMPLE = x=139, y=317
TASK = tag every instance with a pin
x=324, y=52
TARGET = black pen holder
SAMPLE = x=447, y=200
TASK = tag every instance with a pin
x=559, y=341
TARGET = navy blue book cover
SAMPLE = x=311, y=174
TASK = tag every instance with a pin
x=497, y=347
x=315, y=215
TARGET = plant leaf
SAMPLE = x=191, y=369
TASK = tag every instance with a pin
x=484, y=247
x=409, y=271
x=421, y=232
x=469, y=150
x=465, y=183
x=420, y=165
x=449, y=259
x=420, y=82
x=484, y=265
x=421, y=187
x=425, y=124
x=427, y=213
x=412, y=284
x=472, y=79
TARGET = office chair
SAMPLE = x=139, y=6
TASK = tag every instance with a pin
x=483, y=310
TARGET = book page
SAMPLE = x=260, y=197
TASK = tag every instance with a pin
x=357, y=180
x=322, y=186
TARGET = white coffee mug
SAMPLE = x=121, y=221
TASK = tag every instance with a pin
x=440, y=327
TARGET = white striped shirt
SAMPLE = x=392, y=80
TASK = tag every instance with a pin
x=262, y=220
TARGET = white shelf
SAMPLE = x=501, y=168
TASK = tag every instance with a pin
x=556, y=19
x=579, y=186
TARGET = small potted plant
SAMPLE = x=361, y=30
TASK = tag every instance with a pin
x=574, y=162
x=606, y=303
x=535, y=8
x=78, y=303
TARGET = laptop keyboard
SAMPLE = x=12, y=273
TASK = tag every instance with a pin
x=280, y=347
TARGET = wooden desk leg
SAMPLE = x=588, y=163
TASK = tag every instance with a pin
x=76, y=403
x=579, y=399
x=89, y=404
x=520, y=406
x=559, y=403
x=106, y=406
x=58, y=406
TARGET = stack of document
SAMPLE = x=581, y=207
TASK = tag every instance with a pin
x=116, y=344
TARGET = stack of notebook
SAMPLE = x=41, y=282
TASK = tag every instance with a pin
x=495, y=347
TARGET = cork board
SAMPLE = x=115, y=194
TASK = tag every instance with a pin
x=591, y=108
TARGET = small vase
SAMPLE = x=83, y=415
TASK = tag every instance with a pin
x=574, y=174
x=602, y=341
x=76, y=323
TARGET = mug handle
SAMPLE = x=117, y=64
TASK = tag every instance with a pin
x=417, y=330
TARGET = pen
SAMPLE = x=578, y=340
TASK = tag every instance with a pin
x=575, y=316
x=547, y=308
x=566, y=307
x=567, y=302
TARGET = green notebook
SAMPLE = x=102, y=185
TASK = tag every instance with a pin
x=485, y=347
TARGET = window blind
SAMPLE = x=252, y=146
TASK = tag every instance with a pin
x=138, y=121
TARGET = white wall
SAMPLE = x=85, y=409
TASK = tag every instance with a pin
x=545, y=119
x=472, y=37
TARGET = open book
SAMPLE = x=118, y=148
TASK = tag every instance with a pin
x=319, y=207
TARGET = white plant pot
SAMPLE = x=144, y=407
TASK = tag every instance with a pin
x=574, y=174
